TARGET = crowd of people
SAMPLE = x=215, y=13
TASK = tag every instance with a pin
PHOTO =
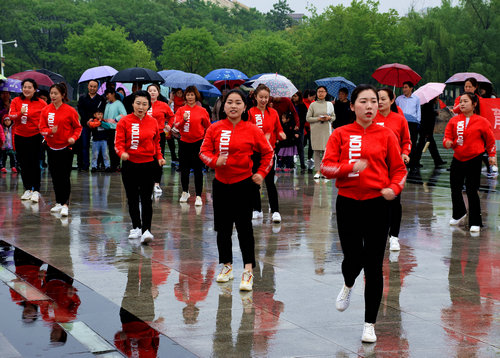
x=367, y=144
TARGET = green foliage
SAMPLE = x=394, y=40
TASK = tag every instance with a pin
x=278, y=18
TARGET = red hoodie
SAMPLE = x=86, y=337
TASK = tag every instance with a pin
x=399, y=126
x=477, y=137
x=193, y=129
x=139, y=138
x=269, y=123
x=162, y=113
x=239, y=142
x=68, y=125
x=26, y=125
x=376, y=144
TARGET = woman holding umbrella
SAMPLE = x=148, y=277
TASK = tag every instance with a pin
x=470, y=135
x=320, y=115
x=191, y=121
x=137, y=143
x=25, y=112
x=163, y=114
x=60, y=126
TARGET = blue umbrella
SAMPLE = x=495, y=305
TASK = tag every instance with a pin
x=333, y=84
x=225, y=74
x=213, y=92
x=166, y=73
x=11, y=85
x=182, y=80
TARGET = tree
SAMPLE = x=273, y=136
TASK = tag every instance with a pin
x=279, y=17
x=191, y=50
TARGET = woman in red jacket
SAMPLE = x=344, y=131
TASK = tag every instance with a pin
x=227, y=148
x=137, y=143
x=366, y=161
x=389, y=117
x=470, y=135
x=163, y=114
x=267, y=119
x=60, y=126
x=191, y=121
x=25, y=112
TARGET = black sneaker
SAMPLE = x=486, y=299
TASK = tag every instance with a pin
x=93, y=170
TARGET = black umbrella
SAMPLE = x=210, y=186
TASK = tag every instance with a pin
x=137, y=74
x=57, y=78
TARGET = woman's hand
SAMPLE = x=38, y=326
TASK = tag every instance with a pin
x=268, y=136
x=71, y=140
x=406, y=158
x=161, y=162
x=167, y=128
x=124, y=156
x=360, y=165
x=221, y=161
x=282, y=136
x=448, y=144
x=388, y=194
x=492, y=160
x=186, y=116
x=257, y=179
x=54, y=129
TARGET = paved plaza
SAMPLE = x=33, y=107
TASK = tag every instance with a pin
x=104, y=295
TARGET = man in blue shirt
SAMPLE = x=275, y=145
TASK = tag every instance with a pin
x=410, y=104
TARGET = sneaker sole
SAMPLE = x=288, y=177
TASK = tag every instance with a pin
x=246, y=288
x=223, y=281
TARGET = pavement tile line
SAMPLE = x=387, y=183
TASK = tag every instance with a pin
x=23, y=288
x=7, y=350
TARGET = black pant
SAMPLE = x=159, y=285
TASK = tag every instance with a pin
x=233, y=205
x=60, y=164
x=272, y=192
x=300, y=149
x=433, y=150
x=171, y=147
x=8, y=153
x=363, y=226
x=189, y=158
x=414, y=129
x=138, y=182
x=159, y=172
x=82, y=148
x=396, y=214
x=28, y=157
x=468, y=172
x=114, y=160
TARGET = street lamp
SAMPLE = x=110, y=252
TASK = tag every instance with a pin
x=1, y=51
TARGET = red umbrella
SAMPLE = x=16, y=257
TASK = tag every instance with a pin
x=229, y=83
x=394, y=74
x=40, y=78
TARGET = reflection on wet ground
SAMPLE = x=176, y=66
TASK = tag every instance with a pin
x=78, y=286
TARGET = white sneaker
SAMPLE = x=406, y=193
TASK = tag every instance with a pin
x=225, y=274
x=57, y=208
x=369, y=333
x=35, y=196
x=344, y=298
x=157, y=189
x=27, y=195
x=135, y=233
x=147, y=237
x=184, y=197
x=454, y=222
x=257, y=215
x=475, y=228
x=394, y=244
x=198, y=201
x=317, y=176
x=64, y=211
x=276, y=217
x=246, y=281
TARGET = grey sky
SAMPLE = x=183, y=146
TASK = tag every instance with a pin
x=401, y=6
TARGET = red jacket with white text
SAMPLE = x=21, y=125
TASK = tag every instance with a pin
x=399, y=126
x=193, y=129
x=139, y=138
x=67, y=121
x=477, y=137
x=26, y=125
x=162, y=113
x=378, y=146
x=239, y=142
x=269, y=123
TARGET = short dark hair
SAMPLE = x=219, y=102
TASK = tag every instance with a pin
x=96, y=81
x=344, y=90
x=361, y=88
x=141, y=93
x=409, y=83
x=321, y=87
x=244, y=115
x=35, y=86
x=192, y=89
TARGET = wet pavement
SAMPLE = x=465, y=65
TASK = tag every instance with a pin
x=78, y=287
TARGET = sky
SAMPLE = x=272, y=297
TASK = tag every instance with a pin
x=299, y=6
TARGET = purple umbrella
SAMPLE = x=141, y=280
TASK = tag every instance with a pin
x=459, y=78
x=117, y=85
x=95, y=73
x=11, y=85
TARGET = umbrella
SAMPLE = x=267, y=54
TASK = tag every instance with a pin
x=280, y=86
x=11, y=85
x=117, y=85
x=166, y=73
x=2, y=77
x=333, y=84
x=394, y=74
x=213, y=92
x=459, y=78
x=98, y=72
x=182, y=80
x=57, y=78
x=40, y=78
x=429, y=91
x=225, y=74
x=137, y=74
x=229, y=83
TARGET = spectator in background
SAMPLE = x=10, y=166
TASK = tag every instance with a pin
x=113, y=112
x=342, y=108
x=301, y=109
x=217, y=108
x=410, y=104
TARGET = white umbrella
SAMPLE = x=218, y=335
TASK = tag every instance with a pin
x=279, y=85
x=429, y=91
